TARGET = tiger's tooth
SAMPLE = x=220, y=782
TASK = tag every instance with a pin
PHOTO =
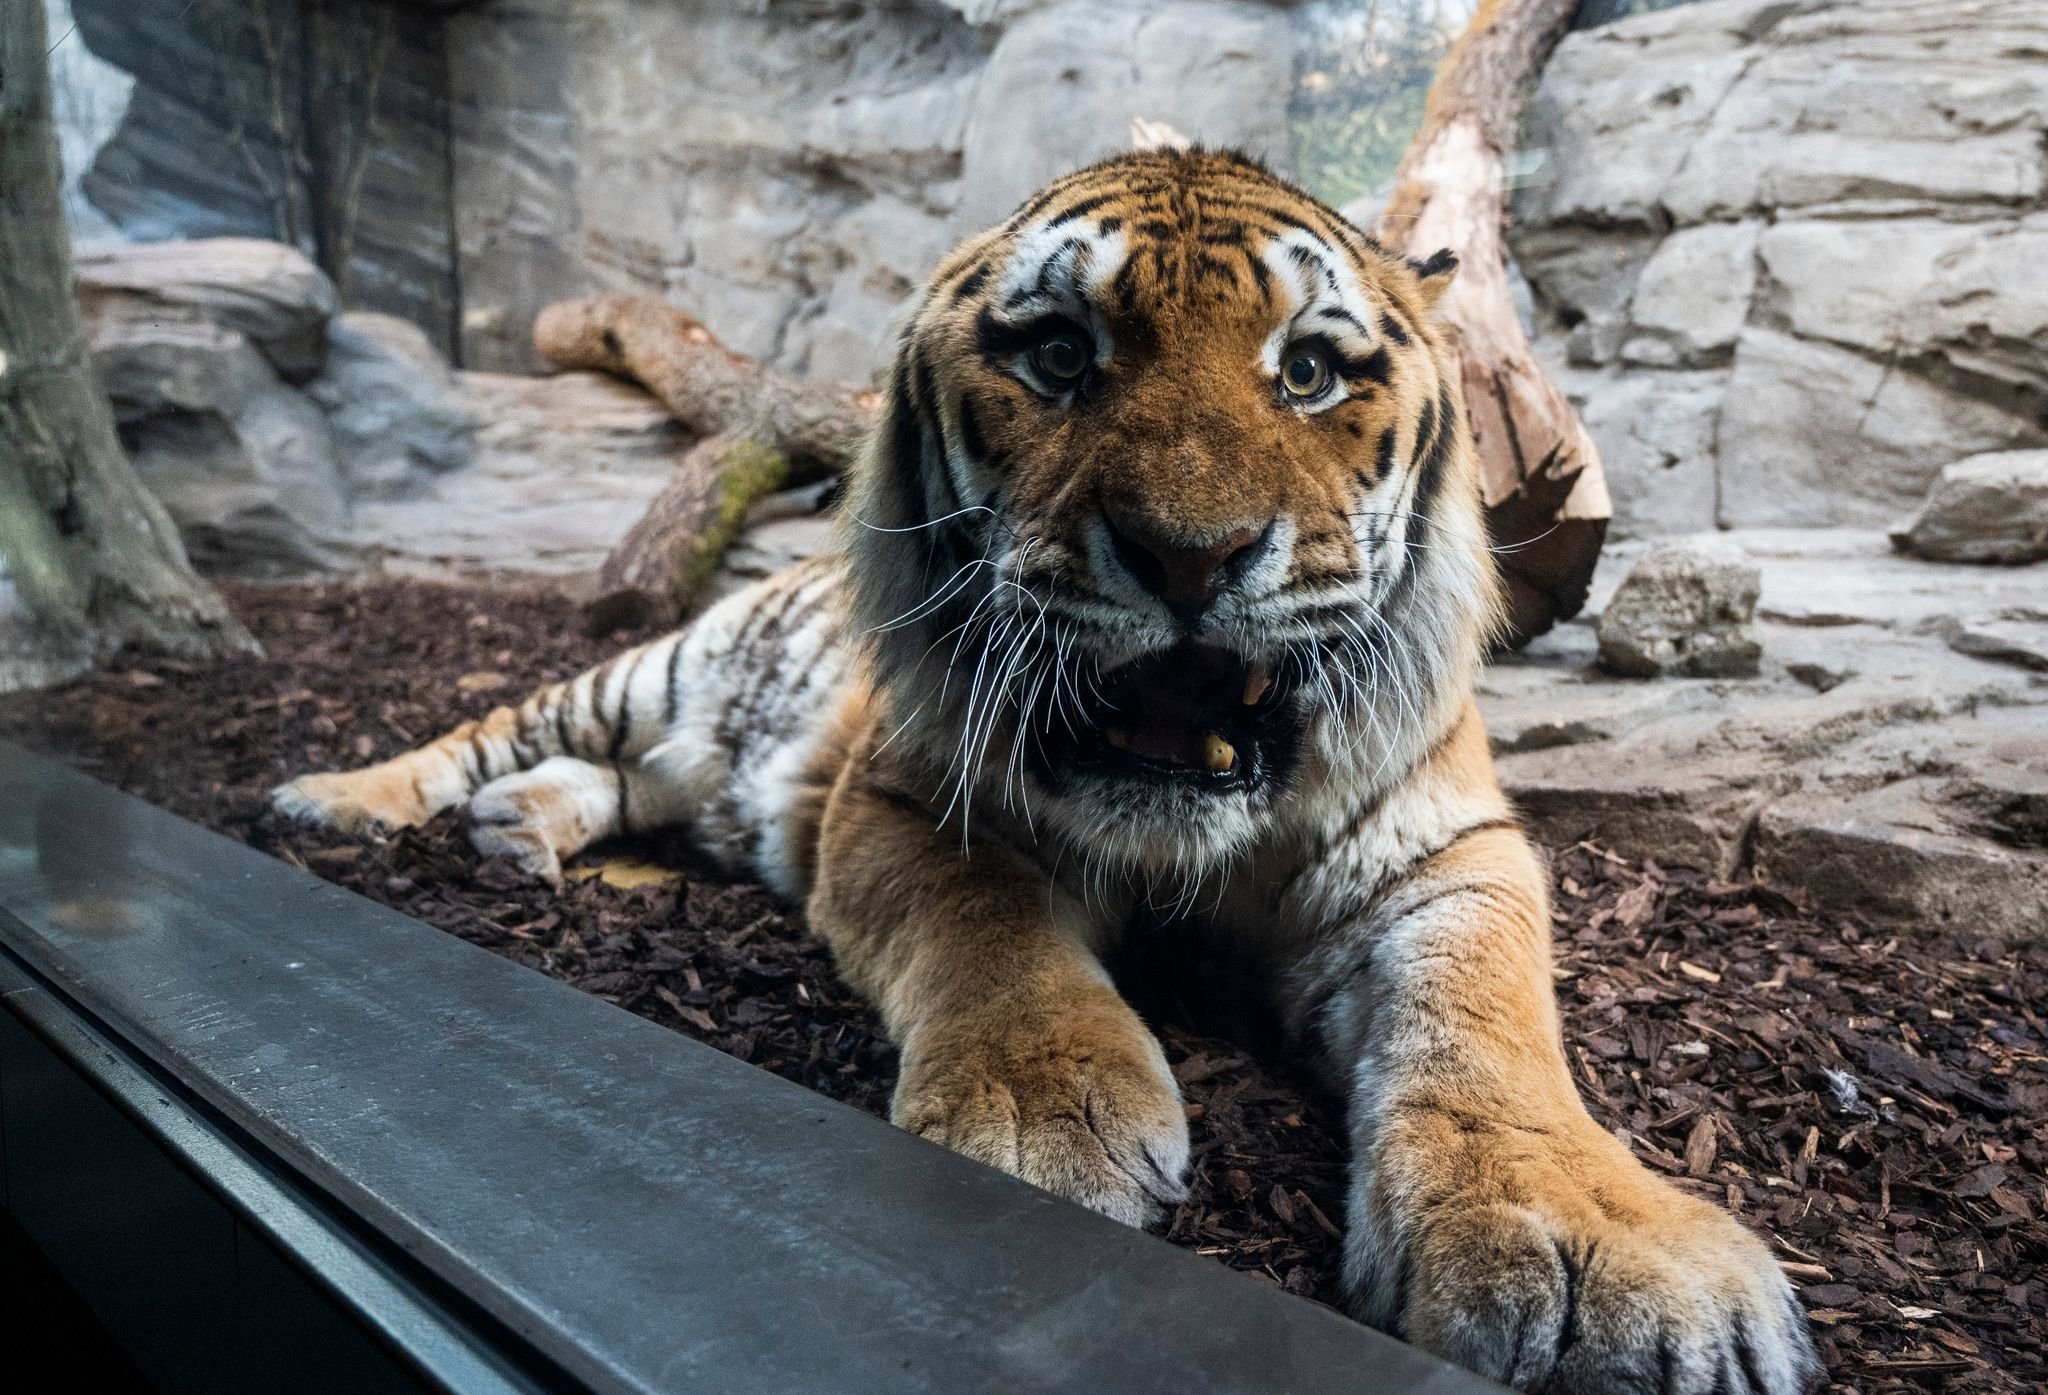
x=1219, y=755
x=1256, y=681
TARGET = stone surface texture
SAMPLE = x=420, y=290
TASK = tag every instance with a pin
x=243, y=461
x=398, y=413
x=1990, y=508
x=560, y=468
x=791, y=174
x=1684, y=608
x=1890, y=759
x=318, y=123
x=1786, y=253
x=200, y=345
x=269, y=292
x=788, y=173
x=287, y=440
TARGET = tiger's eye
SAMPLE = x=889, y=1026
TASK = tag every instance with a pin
x=1305, y=374
x=1062, y=358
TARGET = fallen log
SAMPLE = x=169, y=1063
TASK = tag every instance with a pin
x=1541, y=479
x=817, y=424
x=651, y=577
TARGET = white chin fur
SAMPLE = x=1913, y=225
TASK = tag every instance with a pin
x=1156, y=829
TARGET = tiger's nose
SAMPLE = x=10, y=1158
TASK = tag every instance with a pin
x=1186, y=577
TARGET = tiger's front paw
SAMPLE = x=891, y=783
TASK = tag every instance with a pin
x=1565, y=1266
x=1081, y=1104
x=377, y=799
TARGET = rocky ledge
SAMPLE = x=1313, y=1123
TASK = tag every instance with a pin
x=1890, y=759
x=289, y=441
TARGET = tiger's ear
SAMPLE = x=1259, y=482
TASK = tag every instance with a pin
x=1434, y=274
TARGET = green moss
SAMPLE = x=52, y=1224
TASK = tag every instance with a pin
x=747, y=472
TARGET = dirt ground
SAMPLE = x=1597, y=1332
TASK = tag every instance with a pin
x=1875, y=1104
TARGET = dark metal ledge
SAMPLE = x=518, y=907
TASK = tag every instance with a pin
x=509, y=1185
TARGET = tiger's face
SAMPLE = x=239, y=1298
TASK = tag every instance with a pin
x=1171, y=518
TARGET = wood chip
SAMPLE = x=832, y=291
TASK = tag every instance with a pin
x=1888, y=1166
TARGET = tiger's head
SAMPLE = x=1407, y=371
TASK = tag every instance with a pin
x=1171, y=524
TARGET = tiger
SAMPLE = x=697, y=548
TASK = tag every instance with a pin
x=1162, y=582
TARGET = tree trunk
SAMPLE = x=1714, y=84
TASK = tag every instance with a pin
x=91, y=560
x=1545, y=493
x=651, y=576
x=714, y=391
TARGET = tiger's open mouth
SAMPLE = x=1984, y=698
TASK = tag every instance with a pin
x=1194, y=715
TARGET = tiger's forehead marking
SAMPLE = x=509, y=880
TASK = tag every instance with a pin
x=1078, y=258
x=1060, y=266
x=1324, y=294
x=1321, y=283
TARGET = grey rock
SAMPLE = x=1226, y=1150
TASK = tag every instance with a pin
x=1685, y=608
x=1581, y=275
x=1657, y=444
x=243, y=462
x=1844, y=197
x=1988, y=508
x=559, y=469
x=1905, y=289
x=1815, y=435
x=1064, y=82
x=317, y=123
x=269, y=293
x=2018, y=637
x=1620, y=108
x=1870, y=768
x=1693, y=296
x=396, y=411
x=1866, y=103
x=788, y=174
x=1875, y=851
x=791, y=175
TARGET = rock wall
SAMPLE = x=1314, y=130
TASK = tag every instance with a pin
x=788, y=171
x=1788, y=254
x=89, y=96
x=319, y=123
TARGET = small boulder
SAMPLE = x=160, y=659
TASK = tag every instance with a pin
x=398, y=415
x=1685, y=608
x=1987, y=508
x=243, y=462
x=2018, y=637
x=266, y=291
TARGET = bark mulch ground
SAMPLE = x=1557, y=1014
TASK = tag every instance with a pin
x=1875, y=1104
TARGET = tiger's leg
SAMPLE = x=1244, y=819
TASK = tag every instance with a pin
x=1492, y=1220
x=1016, y=1050
x=612, y=713
x=542, y=816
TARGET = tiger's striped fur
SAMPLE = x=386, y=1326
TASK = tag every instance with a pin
x=1163, y=584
